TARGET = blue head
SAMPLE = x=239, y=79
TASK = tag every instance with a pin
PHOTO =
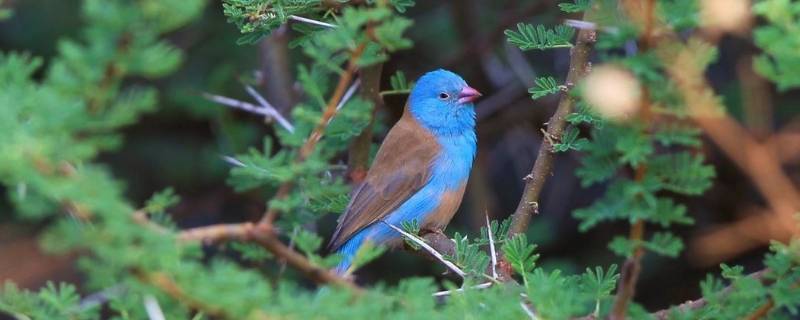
x=442, y=102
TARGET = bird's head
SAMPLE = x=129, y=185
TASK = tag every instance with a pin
x=443, y=102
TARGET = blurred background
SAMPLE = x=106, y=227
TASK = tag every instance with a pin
x=182, y=144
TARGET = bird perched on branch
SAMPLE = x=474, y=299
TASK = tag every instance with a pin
x=420, y=171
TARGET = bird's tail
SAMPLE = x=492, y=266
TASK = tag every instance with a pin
x=348, y=252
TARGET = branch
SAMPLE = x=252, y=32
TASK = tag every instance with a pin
x=629, y=274
x=633, y=265
x=529, y=205
x=358, y=151
x=218, y=233
x=266, y=110
x=700, y=303
x=429, y=249
x=265, y=236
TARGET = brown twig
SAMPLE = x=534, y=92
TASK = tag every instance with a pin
x=218, y=233
x=265, y=236
x=534, y=182
x=630, y=274
x=633, y=265
x=644, y=13
x=762, y=310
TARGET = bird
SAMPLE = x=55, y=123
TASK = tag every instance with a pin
x=420, y=171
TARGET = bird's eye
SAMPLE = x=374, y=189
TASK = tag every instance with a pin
x=444, y=96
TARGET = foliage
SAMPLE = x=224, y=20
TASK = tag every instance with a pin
x=58, y=115
x=544, y=86
x=528, y=37
x=779, y=62
x=575, y=6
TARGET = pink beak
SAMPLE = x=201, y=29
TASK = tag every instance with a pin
x=468, y=94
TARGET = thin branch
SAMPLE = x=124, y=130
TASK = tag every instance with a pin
x=268, y=106
x=218, y=233
x=268, y=113
x=629, y=274
x=633, y=265
x=429, y=249
x=312, y=21
x=534, y=182
x=762, y=310
x=265, y=236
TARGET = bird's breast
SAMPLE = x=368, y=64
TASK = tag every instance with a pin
x=453, y=165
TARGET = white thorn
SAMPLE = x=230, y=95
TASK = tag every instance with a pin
x=153, y=309
x=312, y=21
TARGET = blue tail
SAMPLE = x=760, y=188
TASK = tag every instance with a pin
x=348, y=252
x=378, y=234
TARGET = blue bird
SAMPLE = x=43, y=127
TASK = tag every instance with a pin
x=420, y=171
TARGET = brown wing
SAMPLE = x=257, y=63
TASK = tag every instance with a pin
x=401, y=167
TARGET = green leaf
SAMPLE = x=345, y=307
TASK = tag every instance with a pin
x=528, y=37
x=520, y=254
x=250, y=251
x=681, y=172
x=470, y=257
x=306, y=241
x=664, y=243
x=584, y=114
x=598, y=282
x=402, y=5
x=398, y=82
x=675, y=134
x=412, y=227
x=570, y=141
x=162, y=200
x=731, y=273
x=575, y=6
x=390, y=33
x=633, y=146
x=544, y=86
x=779, y=61
x=622, y=246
